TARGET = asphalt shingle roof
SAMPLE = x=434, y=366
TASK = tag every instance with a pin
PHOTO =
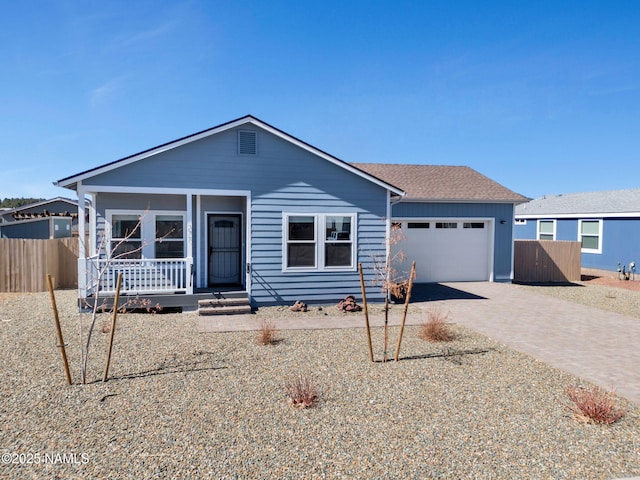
x=607, y=201
x=441, y=182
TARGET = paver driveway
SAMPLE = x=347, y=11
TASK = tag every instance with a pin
x=594, y=344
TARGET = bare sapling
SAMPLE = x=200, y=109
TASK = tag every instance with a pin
x=391, y=277
x=404, y=311
x=98, y=275
x=119, y=250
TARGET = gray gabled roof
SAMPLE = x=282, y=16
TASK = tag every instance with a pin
x=609, y=203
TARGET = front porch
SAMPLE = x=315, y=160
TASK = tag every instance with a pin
x=173, y=246
x=149, y=283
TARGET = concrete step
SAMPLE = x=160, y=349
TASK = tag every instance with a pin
x=224, y=306
x=222, y=302
x=225, y=310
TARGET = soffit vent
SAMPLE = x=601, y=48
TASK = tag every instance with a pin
x=247, y=142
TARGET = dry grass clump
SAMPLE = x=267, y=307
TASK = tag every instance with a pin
x=594, y=405
x=106, y=326
x=302, y=391
x=436, y=328
x=267, y=332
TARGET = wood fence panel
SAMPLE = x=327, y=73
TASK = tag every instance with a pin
x=546, y=261
x=24, y=264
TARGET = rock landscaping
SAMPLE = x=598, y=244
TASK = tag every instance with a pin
x=179, y=404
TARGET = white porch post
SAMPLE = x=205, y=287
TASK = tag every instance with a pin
x=189, y=252
x=93, y=231
x=82, y=250
x=248, y=256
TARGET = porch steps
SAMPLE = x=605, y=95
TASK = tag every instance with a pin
x=224, y=306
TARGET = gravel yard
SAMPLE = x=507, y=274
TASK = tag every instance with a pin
x=185, y=405
x=606, y=293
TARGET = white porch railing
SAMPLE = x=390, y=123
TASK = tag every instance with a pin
x=142, y=276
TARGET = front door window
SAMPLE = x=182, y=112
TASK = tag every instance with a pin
x=225, y=242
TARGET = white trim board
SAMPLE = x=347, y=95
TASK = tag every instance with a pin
x=581, y=216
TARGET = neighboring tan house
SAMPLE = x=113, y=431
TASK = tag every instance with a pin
x=54, y=218
x=245, y=206
x=607, y=223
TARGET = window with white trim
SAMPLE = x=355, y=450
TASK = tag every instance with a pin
x=338, y=246
x=126, y=238
x=301, y=241
x=590, y=235
x=158, y=234
x=546, y=230
x=169, y=241
x=319, y=242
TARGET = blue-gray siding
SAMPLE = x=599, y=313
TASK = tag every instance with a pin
x=41, y=228
x=503, y=235
x=619, y=240
x=282, y=178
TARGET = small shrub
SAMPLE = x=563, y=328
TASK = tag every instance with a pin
x=266, y=333
x=594, y=405
x=436, y=328
x=106, y=326
x=302, y=391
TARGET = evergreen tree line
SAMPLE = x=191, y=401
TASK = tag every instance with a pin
x=18, y=202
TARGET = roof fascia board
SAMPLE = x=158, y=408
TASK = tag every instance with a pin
x=221, y=128
x=578, y=215
x=457, y=200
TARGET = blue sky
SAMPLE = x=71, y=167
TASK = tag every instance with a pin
x=541, y=96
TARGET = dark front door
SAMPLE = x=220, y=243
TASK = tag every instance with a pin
x=225, y=252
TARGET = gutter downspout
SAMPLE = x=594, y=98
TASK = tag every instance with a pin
x=390, y=204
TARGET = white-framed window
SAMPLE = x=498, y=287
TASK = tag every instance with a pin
x=151, y=234
x=318, y=242
x=126, y=236
x=169, y=236
x=546, y=230
x=590, y=235
x=302, y=247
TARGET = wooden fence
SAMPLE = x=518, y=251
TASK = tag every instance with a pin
x=546, y=261
x=24, y=264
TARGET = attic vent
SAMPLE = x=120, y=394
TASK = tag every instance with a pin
x=247, y=142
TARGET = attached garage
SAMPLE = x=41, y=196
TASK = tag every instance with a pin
x=448, y=249
x=458, y=223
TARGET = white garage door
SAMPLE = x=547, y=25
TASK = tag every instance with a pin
x=448, y=250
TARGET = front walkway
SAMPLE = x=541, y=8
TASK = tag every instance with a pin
x=593, y=344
